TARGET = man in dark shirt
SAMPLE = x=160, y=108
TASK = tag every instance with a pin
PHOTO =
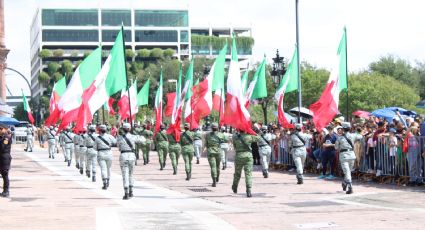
x=329, y=153
x=5, y=158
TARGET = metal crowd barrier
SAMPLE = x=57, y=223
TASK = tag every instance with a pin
x=382, y=163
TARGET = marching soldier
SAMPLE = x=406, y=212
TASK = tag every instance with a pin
x=5, y=157
x=30, y=138
x=197, y=144
x=76, y=140
x=345, y=145
x=244, y=160
x=224, y=148
x=161, y=142
x=89, y=142
x=62, y=145
x=213, y=141
x=51, y=141
x=174, y=150
x=147, y=134
x=102, y=145
x=265, y=149
x=186, y=141
x=126, y=144
x=83, y=151
x=297, y=143
x=68, y=138
x=138, y=131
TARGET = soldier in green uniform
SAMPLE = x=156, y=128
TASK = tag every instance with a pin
x=139, y=146
x=174, y=149
x=146, y=148
x=242, y=143
x=213, y=141
x=161, y=142
x=186, y=141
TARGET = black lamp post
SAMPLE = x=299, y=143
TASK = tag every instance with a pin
x=278, y=68
x=207, y=119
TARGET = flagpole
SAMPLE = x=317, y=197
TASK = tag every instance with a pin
x=298, y=62
x=103, y=114
x=221, y=104
x=346, y=71
x=126, y=74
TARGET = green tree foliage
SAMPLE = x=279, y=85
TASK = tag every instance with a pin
x=58, y=53
x=74, y=53
x=129, y=53
x=143, y=53
x=168, y=53
x=67, y=68
x=419, y=72
x=157, y=53
x=44, y=78
x=57, y=76
x=45, y=53
x=52, y=67
x=19, y=113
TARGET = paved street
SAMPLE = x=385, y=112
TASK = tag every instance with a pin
x=45, y=194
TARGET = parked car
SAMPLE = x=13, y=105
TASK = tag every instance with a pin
x=20, y=131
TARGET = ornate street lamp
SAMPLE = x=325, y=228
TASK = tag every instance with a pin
x=278, y=69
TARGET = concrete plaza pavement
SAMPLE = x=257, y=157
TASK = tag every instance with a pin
x=46, y=194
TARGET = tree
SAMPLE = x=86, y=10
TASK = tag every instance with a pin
x=143, y=53
x=45, y=53
x=58, y=53
x=129, y=53
x=74, y=53
x=168, y=53
x=419, y=72
x=52, y=67
x=67, y=68
x=43, y=77
x=157, y=53
x=19, y=113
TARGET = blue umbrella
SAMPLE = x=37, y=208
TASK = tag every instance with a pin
x=384, y=113
x=402, y=111
x=9, y=121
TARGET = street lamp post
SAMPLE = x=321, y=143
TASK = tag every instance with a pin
x=207, y=119
x=278, y=69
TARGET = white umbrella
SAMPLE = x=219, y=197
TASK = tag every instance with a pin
x=304, y=112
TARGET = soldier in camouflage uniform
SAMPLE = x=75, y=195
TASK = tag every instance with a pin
x=103, y=144
x=83, y=151
x=297, y=143
x=126, y=144
x=174, y=150
x=213, y=141
x=146, y=148
x=30, y=138
x=89, y=142
x=68, y=137
x=76, y=140
x=186, y=141
x=161, y=142
x=242, y=143
x=265, y=149
x=138, y=131
x=345, y=145
x=197, y=144
x=51, y=141
x=224, y=148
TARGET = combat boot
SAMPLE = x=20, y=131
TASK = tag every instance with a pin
x=190, y=175
x=130, y=193
x=77, y=166
x=344, y=186
x=299, y=179
x=135, y=162
x=217, y=179
x=197, y=161
x=5, y=193
x=144, y=162
x=248, y=192
x=235, y=189
x=69, y=163
x=349, y=188
x=50, y=156
x=126, y=195
x=93, y=178
x=174, y=170
x=214, y=182
x=224, y=166
x=187, y=176
x=104, y=184
x=81, y=171
x=107, y=182
x=88, y=173
x=161, y=165
x=266, y=175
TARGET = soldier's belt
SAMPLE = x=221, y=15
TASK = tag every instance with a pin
x=295, y=147
x=81, y=146
x=103, y=149
x=89, y=147
x=51, y=138
x=69, y=142
x=127, y=151
x=344, y=150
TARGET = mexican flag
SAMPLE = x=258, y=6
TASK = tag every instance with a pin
x=158, y=105
x=143, y=95
x=257, y=88
x=128, y=101
x=111, y=79
x=82, y=78
x=235, y=112
x=58, y=90
x=202, y=98
x=175, y=128
x=288, y=84
x=108, y=106
x=188, y=97
x=325, y=109
x=244, y=81
x=218, y=80
x=27, y=108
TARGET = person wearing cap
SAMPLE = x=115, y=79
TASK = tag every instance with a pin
x=146, y=148
x=5, y=157
x=161, y=142
x=186, y=141
x=126, y=145
x=297, y=142
x=89, y=142
x=76, y=140
x=224, y=148
x=83, y=151
x=243, y=160
x=102, y=145
x=62, y=145
x=68, y=138
x=137, y=131
x=265, y=148
x=345, y=146
x=51, y=142
x=30, y=138
x=212, y=142
x=328, y=154
x=414, y=156
x=197, y=144
x=174, y=149
x=393, y=149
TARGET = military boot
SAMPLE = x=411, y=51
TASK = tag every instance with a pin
x=214, y=182
x=93, y=178
x=344, y=186
x=161, y=166
x=197, y=161
x=235, y=189
x=349, y=188
x=266, y=175
x=88, y=173
x=5, y=193
x=130, y=193
x=104, y=184
x=174, y=170
x=187, y=176
x=69, y=163
x=299, y=179
x=107, y=182
x=144, y=162
x=81, y=171
x=190, y=175
x=248, y=192
x=126, y=194
x=77, y=166
x=224, y=166
x=218, y=178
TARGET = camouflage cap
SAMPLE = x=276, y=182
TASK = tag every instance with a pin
x=214, y=125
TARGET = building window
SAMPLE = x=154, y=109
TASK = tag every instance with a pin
x=116, y=17
x=70, y=36
x=62, y=17
x=184, y=36
x=111, y=35
x=172, y=18
x=156, y=36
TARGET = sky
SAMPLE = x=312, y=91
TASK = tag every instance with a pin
x=374, y=28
